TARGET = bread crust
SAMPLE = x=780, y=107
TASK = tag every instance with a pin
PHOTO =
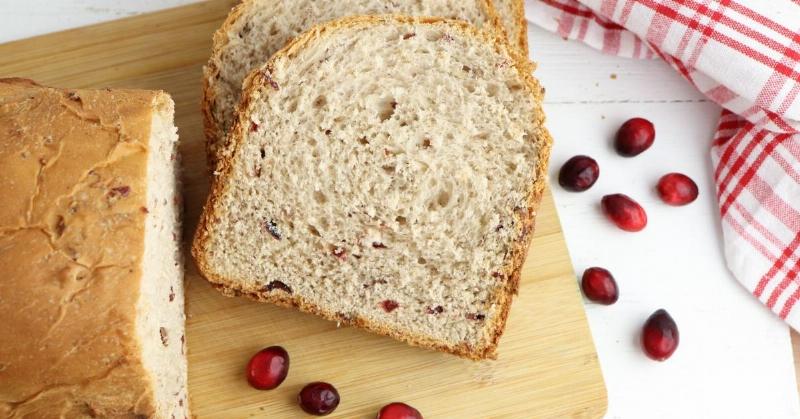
x=212, y=129
x=522, y=25
x=520, y=38
x=64, y=247
x=254, y=86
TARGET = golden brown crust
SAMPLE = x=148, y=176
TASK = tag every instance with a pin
x=254, y=87
x=71, y=250
x=495, y=22
x=527, y=220
x=520, y=36
x=522, y=27
x=212, y=128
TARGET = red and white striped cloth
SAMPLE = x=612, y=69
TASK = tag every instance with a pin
x=745, y=56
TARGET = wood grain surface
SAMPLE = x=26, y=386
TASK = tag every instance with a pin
x=547, y=366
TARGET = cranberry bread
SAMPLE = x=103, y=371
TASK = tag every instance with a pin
x=256, y=29
x=384, y=172
x=91, y=290
x=512, y=17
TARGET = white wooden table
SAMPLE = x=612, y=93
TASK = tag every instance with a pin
x=735, y=359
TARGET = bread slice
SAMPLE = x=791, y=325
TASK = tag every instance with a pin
x=384, y=172
x=256, y=29
x=91, y=290
x=512, y=16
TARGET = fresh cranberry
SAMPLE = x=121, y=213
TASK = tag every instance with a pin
x=599, y=286
x=626, y=213
x=660, y=336
x=634, y=137
x=318, y=398
x=578, y=174
x=268, y=368
x=399, y=411
x=677, y=189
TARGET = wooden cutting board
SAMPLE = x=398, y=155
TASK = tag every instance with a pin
x=547, y=366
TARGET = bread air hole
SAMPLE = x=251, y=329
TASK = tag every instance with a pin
x=386, y=108
x=443, y=199
x=320, y=101
x=320, y=197
x=492, y=89
x=514, y=87
x=470, y=86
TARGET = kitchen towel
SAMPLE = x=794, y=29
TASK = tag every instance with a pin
x=745, y=56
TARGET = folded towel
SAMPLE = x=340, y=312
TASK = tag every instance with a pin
x=745, y=56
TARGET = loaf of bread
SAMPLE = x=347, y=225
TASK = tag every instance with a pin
x=256, y=29
x=512, y=17
x=383, y=172
x=91, y=290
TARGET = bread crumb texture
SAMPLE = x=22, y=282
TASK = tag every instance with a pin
x=256, y=29
x=384, y=172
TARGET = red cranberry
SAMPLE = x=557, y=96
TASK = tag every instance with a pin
x=660, y=336
x=318, y=398
x=677, y=189
x=268, y=368
x=399, y=411
x=340, y=253
x=634, y=137
x=389, y=305
x=626, y=213
x=599, y=286
x=578, y=174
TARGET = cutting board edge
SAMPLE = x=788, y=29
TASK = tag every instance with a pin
x=134, y=23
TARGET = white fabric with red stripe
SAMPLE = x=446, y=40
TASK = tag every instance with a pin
x=745, y=56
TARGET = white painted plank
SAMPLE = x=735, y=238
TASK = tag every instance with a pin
x=735, y=358
x=599, y=78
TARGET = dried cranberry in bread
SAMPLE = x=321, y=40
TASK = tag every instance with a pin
x=91, y=291
x=384, y=172
x=256, y=29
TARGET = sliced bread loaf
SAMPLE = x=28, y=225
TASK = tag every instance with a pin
x=383, y=172
x=91, y=290
x=512, y=16
x=256, y=29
